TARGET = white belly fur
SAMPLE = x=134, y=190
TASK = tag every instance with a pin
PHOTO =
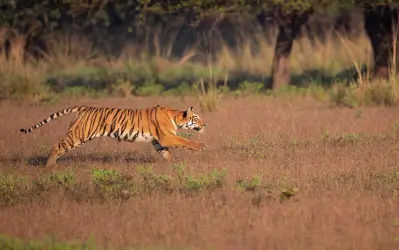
x=139, y=138
x=144, y=138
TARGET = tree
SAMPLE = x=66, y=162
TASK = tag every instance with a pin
x=290, y=16
x=25, y=24
x=289, y=22
x=381, y=24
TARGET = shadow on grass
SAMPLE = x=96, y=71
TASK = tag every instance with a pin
x=324, y=79
x=307, y=77
x=40, y=161
x=175, y=80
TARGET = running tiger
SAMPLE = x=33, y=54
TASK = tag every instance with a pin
x=157, y=125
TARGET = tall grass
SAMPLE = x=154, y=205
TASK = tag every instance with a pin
x=366, y=90
x=74, y=59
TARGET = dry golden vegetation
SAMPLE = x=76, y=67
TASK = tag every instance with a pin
x=278, y=174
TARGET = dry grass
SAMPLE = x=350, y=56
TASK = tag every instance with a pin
x=344, y=163
x=330, y=57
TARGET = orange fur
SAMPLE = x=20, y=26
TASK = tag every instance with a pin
x=157, y=125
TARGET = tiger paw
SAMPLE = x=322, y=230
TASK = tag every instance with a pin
x=200, y=146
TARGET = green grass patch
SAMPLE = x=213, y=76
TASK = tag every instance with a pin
x=52, y=243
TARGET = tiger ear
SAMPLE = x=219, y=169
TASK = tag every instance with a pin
x=189, y=111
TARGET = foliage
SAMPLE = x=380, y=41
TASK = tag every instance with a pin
x=250, y=185
x=211, y=7
x=38, y=17
x=112, y=184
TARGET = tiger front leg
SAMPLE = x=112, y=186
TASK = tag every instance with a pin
x=180, y=142
x=52, y=157
x=163, y=151
x=65, y=145
x=58, y=150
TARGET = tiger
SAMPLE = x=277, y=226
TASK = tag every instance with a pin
x=157, y=125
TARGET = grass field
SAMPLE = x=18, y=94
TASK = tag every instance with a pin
x=278, y=174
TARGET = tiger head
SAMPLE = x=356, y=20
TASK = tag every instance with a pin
x=190, y=120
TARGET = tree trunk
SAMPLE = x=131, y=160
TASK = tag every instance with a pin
x=289, y=26
x=379, y=23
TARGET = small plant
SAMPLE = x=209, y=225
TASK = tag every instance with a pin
x=381, y=94
x=122, y=88
x=289, y=91
x=63, y=178
x=106, y=176
x=54, y=180
x=325, y=136
x=344, y=96
x=378, y=93
x=256, y=139
x=149, y=89
x=247, y=88
x=79, y=91
x=318, y=92
x=152, y=181
x=229, y=143
x=294, y=142
x=193, y=184
x=352, y=138
x=250, y=185
x=111, y=183
x=20, y=82
x=260, y=191
x=183, y=89
x=390, y=178
x=11, y=189
x=207, y=181
x=180, y=170
x=288, y=193
x=208, y=98
x=216, y=178
x=252, y=149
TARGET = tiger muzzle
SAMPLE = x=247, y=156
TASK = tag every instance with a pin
x=200, y=129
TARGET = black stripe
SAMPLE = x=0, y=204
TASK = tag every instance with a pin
x=108, y=112
x=96, y=120
x=91, y=121
x=122, y=116
x=102, y=124
x=116, y=115
x=135, y=136
x=112, y=127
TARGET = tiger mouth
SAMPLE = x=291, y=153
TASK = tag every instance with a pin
x=199, y=129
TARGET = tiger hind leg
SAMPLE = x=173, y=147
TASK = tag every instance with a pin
x=61, y=148
x=163, y=151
